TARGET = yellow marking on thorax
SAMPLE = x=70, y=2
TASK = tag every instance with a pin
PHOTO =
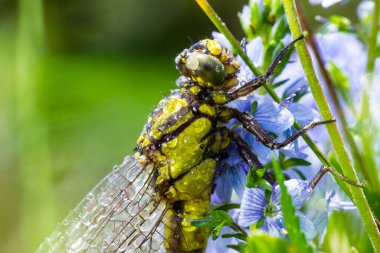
x=208, y=110
x=187, y=149
x=214, y=47
x=195, y=90
x=170, y=108
x=219, y=97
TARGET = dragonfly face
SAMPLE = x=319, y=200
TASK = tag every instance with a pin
x=209, y=64
x=145, y=204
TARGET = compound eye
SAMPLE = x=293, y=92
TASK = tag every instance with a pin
x=207, y=67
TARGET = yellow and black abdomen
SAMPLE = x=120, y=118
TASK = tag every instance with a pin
x=178, y=138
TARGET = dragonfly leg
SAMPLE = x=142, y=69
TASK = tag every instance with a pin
x=252, y=126
x=249, y=157
x=245, y=151
x=259, y=81
x=336, y=174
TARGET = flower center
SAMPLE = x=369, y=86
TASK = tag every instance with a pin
x=271, y=210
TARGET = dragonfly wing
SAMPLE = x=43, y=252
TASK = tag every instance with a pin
x=122, y=213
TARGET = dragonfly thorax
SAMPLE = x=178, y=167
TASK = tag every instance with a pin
x=183, y=139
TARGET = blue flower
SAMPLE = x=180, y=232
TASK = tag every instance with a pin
x=350, y=56
x=255, y=207
x=231, y=179
x=325, y=3
x=325, y=205
x=365, y=10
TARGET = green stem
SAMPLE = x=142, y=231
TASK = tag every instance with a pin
x=37, y=210
x=239, y=50
x=336, y=139
x=373, y=38
x=366, y=139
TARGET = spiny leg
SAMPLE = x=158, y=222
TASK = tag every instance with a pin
x=336, y=174
x=259, y=81
x=252, y=126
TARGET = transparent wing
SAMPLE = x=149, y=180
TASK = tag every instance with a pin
x=121, y=214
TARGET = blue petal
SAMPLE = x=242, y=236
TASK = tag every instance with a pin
x=275, y=226
x=342, y=205
x=272, y=117
x=243, y=104
x=223, y=186
x=306, y=226
x=233, y=157
x=303, y=114
x=239, y=180
x=320, y=223
x=336, y=202
x=299, y=86
x=292, y=150
x=365, y=10
x=245, y=74
x=325, y=3
x=299, y=190
x=252, y=206
x=350, y=56
x=245, y=17
x=275, y=196
x=221, y=39
x=262, y=152
x=255, y=51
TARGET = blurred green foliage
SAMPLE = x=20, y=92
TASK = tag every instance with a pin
x=103, y=67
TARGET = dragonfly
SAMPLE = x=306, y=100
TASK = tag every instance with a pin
x=147, y=203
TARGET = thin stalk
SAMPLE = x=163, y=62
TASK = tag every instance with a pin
x=366, y=138
x=336, y=139
x=330, y=88
x=373, y=38
x=34, y=167
x=209, y=11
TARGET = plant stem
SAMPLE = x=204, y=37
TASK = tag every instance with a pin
x=336, y=139
x=373, y=38
x=238, y=49
x=37, y=210
x=365, y=115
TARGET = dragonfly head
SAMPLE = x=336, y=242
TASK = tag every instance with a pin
x=209, y=64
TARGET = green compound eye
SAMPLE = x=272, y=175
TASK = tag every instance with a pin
x=207, y=67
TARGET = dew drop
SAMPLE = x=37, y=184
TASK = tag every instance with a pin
x=173, y=143
x=90, y=196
